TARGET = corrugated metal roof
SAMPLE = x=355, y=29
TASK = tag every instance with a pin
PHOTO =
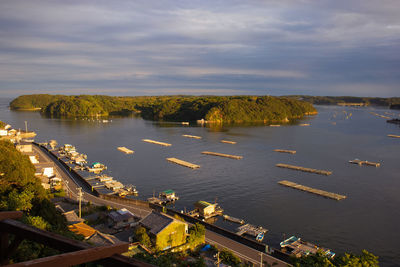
x=203, y=203
x=168, y=192
x=156, y=222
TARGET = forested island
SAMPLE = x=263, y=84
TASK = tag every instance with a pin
x=337, y=100
x=217, y=109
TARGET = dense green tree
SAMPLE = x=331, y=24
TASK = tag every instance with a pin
x=142, y=236
x=366, y=259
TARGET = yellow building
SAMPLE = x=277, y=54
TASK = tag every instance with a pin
x=165, y=231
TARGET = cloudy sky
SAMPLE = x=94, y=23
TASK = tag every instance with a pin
x=132, y=47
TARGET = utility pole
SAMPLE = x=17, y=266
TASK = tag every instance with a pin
x=218, y=261
x=80, y=201
x=66, y=187
x=26, y=127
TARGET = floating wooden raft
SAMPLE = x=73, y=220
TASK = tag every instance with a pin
x=183, y=163
x=156, y=142
x=228, y=142
x=312, y=190
x=191, y=136
x=304, y=124
x=285, y=151
x=125, y=150
x=298, y=168
x=394, y=136
x=274, y=125
x=221, y=155
x=364, y=162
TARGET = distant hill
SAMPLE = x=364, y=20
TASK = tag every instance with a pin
x=221, y=109
x=335, y=100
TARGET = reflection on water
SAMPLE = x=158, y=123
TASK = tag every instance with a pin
x=248, y=188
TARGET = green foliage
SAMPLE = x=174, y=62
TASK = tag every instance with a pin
x=334, y=100
x=225, y=109
x=21, y=201
x=142, y=236
x=21, y=190
x=36, y=221
x=2, y=125
x=196, y=234
x=229, y=258
x=366, y=259
x=169, y=259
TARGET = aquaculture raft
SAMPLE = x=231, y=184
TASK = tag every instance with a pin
x=125, y=150
x=183, y=163
x=191, y=136
x=228, y=142
x=312, y=190
x=221, y=155
x=364, y=162
x=156, y=142
x=298, y=168
x=285, y=151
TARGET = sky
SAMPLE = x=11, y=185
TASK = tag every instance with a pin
x=206, y=47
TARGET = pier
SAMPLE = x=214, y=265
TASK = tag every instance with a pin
x=233, y=219
x=312, y=190
x=221, y=155
x=156, y=142
x=191, y=136
x=393, y=136
x=252, y=230
x=125, y=150
x=285, y=151
x=365, y=162
x=298, y=168
x=228, y=142
x=183, y=163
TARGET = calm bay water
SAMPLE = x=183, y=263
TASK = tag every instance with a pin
x=368, y=219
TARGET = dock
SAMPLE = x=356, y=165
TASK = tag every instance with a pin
x=274, y=125
x=156, y=142
x=393, y=136
x=312, y=190
x=285, y=151
x=251, y=230
x=221, y=155
x=125, y=150
x=183, y=163
x=233, y=219
x=228, y=142
x=298, y=168
x=365, y=162
x=191, y=136
x=304, y=124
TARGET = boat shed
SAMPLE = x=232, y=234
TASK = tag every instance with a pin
x=205, y=208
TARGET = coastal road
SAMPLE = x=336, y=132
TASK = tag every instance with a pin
x=242, y=251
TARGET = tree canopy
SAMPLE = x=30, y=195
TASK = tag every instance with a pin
x=222, y=109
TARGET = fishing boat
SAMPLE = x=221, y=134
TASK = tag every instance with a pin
x=297, y=247
x=96, y=167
